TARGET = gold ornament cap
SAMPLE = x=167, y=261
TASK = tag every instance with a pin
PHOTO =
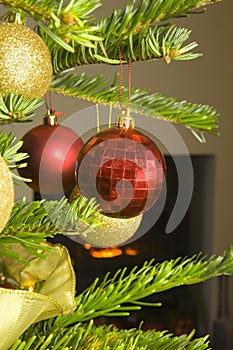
x=50, y=119
x=125, y=120
x=14, y=18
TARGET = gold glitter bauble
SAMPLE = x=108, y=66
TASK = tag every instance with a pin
x=6, y=193
x=25, y=61
x=74, y=194
x=112, y=232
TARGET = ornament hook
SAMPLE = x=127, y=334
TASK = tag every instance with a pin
x=14, y=17
x=124, y=120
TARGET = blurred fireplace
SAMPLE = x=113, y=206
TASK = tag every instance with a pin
x=183, y=308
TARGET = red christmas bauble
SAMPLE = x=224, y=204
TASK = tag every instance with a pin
x=53, y=152
x=6, y=285
x=123, y=169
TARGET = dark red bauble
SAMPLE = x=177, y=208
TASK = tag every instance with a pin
x=123, y=169
x=6, y=285
x=53, y=152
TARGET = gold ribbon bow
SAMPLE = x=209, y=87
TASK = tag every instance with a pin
x=56, y=293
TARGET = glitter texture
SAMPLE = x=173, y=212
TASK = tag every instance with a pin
x=25, y=61
x=6, y=193
x=112, y=232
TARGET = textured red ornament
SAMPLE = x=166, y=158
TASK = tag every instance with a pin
x=53, y=152
x=123, y=169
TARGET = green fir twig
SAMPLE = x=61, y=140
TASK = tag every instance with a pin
x=17, y=108
x=9, y=150
x=72, y=22
x=110, y=296
x=142, y=12
x=150, y=43
x=88, y=336
x=31, y=223
x=199, y=118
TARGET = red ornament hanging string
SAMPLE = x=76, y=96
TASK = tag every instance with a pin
x=49, y=106
x=121, y=80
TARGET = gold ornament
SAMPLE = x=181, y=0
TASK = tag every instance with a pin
x=112, y=232
x=25, y=61
x=6, y=193
x=74, y=194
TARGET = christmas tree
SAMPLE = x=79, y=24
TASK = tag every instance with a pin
x=40, y=308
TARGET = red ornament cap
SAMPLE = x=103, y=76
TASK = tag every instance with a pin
x=122, y=168
x=50, y=119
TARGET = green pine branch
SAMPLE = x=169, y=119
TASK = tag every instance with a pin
x=88, y=336
x=199, y=118
x=154, y=10
x=17, y=108
x=110, y=296
x=9, y=150
x=150, y=43
x=134, y=29
x=143, y=13
x=31, y=223
x=72, y=22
